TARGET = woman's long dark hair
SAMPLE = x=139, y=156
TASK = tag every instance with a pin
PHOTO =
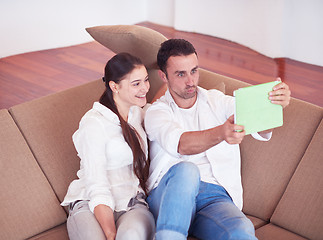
x=116, y=68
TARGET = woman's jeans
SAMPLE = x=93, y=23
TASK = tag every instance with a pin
x=135, y=224
x=182, y=205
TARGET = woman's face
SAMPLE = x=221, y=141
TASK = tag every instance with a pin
x=132, y=89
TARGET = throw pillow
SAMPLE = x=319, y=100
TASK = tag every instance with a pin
x=137, y=40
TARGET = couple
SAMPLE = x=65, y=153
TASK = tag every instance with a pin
x=193, y=181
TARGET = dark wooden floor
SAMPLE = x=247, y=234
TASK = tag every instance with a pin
x=31, y=75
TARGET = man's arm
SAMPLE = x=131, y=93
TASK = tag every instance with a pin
x=199, y=141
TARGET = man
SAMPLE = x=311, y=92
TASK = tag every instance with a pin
x=195, y=179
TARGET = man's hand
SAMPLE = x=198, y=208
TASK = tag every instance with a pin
x=280, y=94
x=232, y=133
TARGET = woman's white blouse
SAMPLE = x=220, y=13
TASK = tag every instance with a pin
x=106, y=173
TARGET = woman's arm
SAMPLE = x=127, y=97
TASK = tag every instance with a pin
x=104, y=215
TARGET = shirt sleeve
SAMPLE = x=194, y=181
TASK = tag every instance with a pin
x=265, y=137
x=161, y=127
x=90, y=142
x=223, y=105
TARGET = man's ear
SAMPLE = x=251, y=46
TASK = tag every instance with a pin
x=162, y=76
x=113, y=86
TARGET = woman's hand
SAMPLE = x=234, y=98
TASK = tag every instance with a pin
x=104, y=215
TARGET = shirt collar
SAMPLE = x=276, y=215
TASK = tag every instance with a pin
x=106, y=112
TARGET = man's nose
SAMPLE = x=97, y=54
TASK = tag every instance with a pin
x=189, y=80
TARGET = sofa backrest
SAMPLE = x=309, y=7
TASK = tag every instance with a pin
x=300, y=209
x=48, y=124
x=267, y=167
x=28, y=204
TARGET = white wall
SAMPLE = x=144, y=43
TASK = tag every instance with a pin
x=303, y=31
x=276, y=28
x=252, y=23
x=42, y=24
x=161, y=12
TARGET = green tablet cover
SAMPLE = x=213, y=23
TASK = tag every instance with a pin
x=254, y=110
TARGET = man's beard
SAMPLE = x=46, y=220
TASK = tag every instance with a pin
x=188, y=95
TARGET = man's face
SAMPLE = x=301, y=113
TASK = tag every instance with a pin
x=182, y=79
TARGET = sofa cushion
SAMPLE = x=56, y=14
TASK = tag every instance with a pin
x=136, y=40
x=257, y=222
x=267, y=167
x=155, y=84
x=48, y=124
x=301, y=207
x=28, y=203
x=230, y=84
x=210, y=80
x=57, y=233
x=273, y=232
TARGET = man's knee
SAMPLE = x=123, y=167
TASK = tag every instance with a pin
x=243, y=230
x=186, y=177
x=186, y=171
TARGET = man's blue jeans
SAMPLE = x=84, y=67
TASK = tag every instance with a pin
x=182, y=205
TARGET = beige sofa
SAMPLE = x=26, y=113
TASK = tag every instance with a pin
x=282, y=178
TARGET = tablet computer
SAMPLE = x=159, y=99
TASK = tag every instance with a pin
x=254, y=110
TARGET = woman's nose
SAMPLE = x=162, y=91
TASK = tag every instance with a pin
x=146, y=86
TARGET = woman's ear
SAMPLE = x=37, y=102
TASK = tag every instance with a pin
x=113, y=86
x=162, y=76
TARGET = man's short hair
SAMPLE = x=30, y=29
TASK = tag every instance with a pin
x=173, y=47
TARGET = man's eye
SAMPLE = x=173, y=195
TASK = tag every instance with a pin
x=180, y=74
x=135, y=84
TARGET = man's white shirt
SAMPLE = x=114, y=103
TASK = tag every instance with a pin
x=165, y=122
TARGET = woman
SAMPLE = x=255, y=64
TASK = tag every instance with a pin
x=108, y=199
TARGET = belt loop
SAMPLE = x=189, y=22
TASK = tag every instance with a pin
x=72, y=205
